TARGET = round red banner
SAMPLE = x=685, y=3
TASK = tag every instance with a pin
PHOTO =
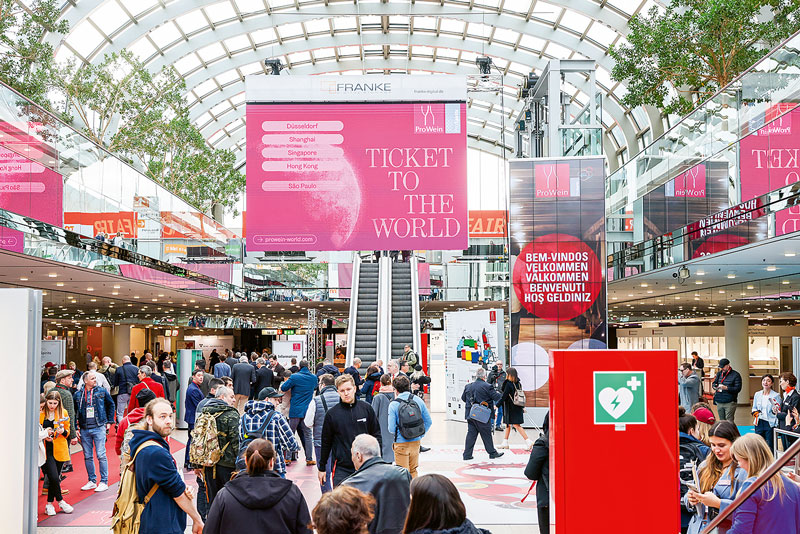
x=557, y=277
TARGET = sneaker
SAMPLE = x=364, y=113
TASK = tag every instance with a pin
x=101, y=487
x=89, y=486
x=503, y=444
x=49, y=509
x=66, y=508
x=528, y=445
x=495, y=455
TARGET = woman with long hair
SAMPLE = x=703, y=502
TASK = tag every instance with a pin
x=705, y=419
x=345, y=510
x=436, y=507
x=720, y=477
x=259, y=500
x=775, y=507
x=55, y=420
x=513, y=415
x=763, y=413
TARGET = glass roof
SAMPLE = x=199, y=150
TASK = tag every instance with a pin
x=214, y=44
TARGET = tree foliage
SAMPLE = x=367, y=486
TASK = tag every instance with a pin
x=130, y=110
x=678, y=58
x=26, y=61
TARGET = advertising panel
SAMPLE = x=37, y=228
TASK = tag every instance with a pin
x=356, y=176
x=558, y=301
x=487, y=223
x=473, y=339
x=30, y=189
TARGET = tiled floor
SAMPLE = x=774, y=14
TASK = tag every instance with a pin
x=491, y=489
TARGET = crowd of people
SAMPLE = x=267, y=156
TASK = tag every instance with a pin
x=717, y=463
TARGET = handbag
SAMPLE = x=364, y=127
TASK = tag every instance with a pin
x=519, y=396
x=479, y=412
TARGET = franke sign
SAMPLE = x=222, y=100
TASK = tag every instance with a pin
x=436, y=88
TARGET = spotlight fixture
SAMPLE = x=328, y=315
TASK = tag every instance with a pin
x=484, y=64
x=274, y=65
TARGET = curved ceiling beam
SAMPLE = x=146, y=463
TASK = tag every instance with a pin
x=130, y=32
x=610, y=106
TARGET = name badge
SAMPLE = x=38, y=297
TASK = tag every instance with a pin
x=724, y=483
x=90, y=412
x=364, y=420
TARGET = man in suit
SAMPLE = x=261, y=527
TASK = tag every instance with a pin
x=791, y=399
x=264, y=376
x=479, y=392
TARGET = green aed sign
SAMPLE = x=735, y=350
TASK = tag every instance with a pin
x=620, y=398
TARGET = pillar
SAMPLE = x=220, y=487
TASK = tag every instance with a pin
x=122, y=343
x=737, y=350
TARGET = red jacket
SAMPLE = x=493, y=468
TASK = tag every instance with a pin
x=148, y=383
x=131, y=419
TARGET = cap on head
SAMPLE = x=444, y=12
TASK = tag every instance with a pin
x=269, y=393
x=704, y=415
x=723, y=362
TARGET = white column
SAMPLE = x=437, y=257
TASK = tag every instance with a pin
x=21, y=332
x=737, y=350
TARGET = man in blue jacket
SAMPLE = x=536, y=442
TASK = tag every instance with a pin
x=406, y=450
x=302, y=385
x=94, y=413
x=193, y=397
x=479, y=392
x=165, y=512
x=125, y=378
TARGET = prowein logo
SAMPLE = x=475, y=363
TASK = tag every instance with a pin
x=349, y=87
x=429, y=118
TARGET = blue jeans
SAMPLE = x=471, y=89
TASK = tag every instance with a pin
x=95, y=438
x=499, y=420
x=325, y=488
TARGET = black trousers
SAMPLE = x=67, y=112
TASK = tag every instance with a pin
x=52, y=470
x=215, y=483
x=544, y=520
x=473, y=429
x=339, y=474
x=202, y=499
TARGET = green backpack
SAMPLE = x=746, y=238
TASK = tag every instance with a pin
x=205, y=450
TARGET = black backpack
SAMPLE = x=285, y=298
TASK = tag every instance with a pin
x=249, y=437
x=410, y=423
x=688, y=455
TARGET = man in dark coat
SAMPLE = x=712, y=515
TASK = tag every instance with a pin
x=389, y=484
x=244, y=376
x=277, y=371
x=727, y=384
x=126, y=376
x=479, y=392
x=193, y=397
x=353, y=371
x=538, y=469
x=264, y=377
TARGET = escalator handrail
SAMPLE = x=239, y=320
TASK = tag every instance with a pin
x=745, y=494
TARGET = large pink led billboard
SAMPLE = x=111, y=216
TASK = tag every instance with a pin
x=356, y=176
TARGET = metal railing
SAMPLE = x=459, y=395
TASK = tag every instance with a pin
x=762, y=479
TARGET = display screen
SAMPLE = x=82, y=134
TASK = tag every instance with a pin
x=370, y=176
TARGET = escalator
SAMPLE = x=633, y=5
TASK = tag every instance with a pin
x=402, y=317
x=364, y=343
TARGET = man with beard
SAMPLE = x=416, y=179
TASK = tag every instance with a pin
x=165, y=512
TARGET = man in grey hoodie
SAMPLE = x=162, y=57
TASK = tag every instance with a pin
x=689, y=387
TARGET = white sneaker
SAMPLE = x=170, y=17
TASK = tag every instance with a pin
x=101, y=487
x=66, y=508
x=503, y=445
x=528, y=445
x=49, y=509
x=89, y=486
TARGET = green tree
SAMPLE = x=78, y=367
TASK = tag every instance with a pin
x=26, y=61
x=679, y=58
x=132, y=111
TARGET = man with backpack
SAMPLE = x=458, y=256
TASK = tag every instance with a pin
x=154, y=493
x=315, y=416
x=495, y=379
x=409, y=421
x=215, y=441
x=302, y=386
x=343, y=422
x=261, y=419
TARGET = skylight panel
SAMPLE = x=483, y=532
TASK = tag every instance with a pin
x=317, y=25
x=165, y=35
x=344, y=23
x=220, y=12
x=531, y=43
x=349, y=51
x=399, y=20
x=468, y=57
x=299, y=57
x=519, y=68
x=324, y=53
x=479, y=29
x=110, y=17
x=204, y=88
x=452, y=26
x=203, y=119
x=216, y=137
x=517, y=6
x=142, y=49
x=221, y=108
x=546, y=11
x=250, y=68
x=249, y=6
x=574, y=21
x=238, y=99
x=187, y=64
x=292, y=29
x=264, y=36
x=370, y=20
x=626, y=6
x=504, y=35
x=424, y=23
x=419, y=50
x=604, y=77
x=601, y=34
x=227, y=77
x=211, y=52
x=84, y=38
x=238, y=43
x=558, y=51
x=191, y=22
